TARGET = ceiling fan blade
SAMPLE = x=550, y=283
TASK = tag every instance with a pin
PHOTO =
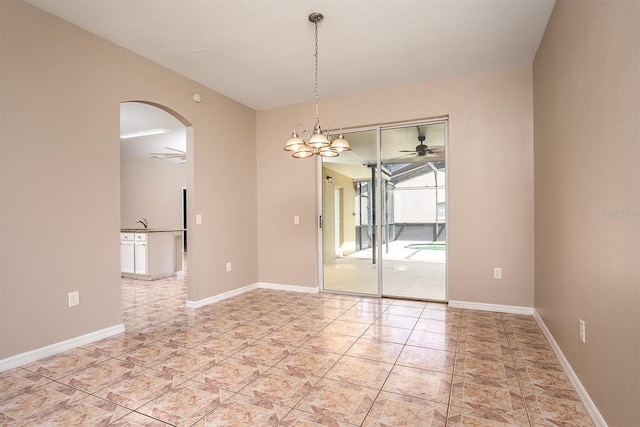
x=175, y=149
x=407, y=151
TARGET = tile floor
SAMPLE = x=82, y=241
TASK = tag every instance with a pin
x=270, y=358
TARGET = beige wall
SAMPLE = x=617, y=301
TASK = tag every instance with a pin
x=152, y=189
x=587, y=196
x=490, y=181
x=60, y=91
x=344, y=184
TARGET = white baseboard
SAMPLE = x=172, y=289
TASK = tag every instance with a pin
x=591, y=408
x=249, y=288
x=222, y=296
x=290, y=288
x=50, y=350
x=512, y=309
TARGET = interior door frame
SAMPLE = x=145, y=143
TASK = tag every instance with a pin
x=378, y=202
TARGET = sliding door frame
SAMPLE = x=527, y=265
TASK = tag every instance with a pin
x=377, y=243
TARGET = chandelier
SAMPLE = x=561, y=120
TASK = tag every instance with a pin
x=317, y=142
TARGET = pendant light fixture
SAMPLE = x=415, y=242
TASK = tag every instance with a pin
x=317, y=142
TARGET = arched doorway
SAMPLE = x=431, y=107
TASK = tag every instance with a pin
x=154, y=172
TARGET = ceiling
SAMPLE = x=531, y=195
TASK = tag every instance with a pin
x=260, y=53
x=170, y=146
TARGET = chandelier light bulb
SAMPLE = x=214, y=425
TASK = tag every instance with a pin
x=315, y=142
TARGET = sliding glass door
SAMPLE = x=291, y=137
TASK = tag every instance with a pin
x=348, y=217
x=383, y=213
x=413, y=252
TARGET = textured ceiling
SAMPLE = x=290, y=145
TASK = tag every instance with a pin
x=260, y=53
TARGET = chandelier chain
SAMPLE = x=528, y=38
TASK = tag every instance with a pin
x=316, y=79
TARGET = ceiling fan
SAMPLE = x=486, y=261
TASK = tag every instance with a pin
x=421, y=148
x=179, y=155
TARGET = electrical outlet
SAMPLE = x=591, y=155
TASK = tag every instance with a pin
x=497, y=273
x=583, y=331
x=198, y=219
x=74, y=298
x=296, y=219
x=228, y=267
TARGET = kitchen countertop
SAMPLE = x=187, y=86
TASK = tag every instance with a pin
x=151, y=230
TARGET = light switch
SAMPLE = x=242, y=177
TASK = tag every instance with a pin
x=198, y=219
x=296, y=220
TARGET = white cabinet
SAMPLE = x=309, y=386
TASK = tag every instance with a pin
x=150, y=255
x=127, y=253
x=141, y=259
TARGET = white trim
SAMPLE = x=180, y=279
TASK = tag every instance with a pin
x=222, y=296
x=249, y=288
x=290, y=288
x=591, y=408
x=50, y=350
x=512, y=309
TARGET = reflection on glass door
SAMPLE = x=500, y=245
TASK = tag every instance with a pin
x=348, y=217
x=413, y=252
x=383, y=213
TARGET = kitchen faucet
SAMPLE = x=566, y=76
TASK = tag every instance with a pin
x=143, y=221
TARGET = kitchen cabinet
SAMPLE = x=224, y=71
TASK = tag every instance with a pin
x=150, y=254
x=141, y=265
x=127, y=253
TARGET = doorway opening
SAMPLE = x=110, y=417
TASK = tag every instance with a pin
x=153, y=184
x=385, y=235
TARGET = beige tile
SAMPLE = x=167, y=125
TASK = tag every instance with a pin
x=330, y=343
x=403, y=310
x=483, y=347
x=433, y=340
x=254, y=329
x=264, y=353
x=284, y=387
x=39, y=399
x=232, y=374
x=270, y=347
x=341, y=327
x=419, y=383
x=187, y=336
x=225, y=344
x=309, y=361
x=242, y=410
x=397, y=321
x=352, y=315
x=546, y=410
x=135, y=419
x=544, y=379
x=89, y=411
x=20, y=381
x=185, y=403
x=287, y=336
x=63, y=364
x=387, y=333
x=341, y=401
x=121, y=343
x=363, y=372
x=188, y=362
x=500, y=368
x=437, y=326
x=297, y=418
x=101, y=375
x=427, y=358
x=141, y=386
x=391, y=409
x=478, y=417
x=375, y=350
x=325, y=313
x=150, y=354
x=489, y=395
